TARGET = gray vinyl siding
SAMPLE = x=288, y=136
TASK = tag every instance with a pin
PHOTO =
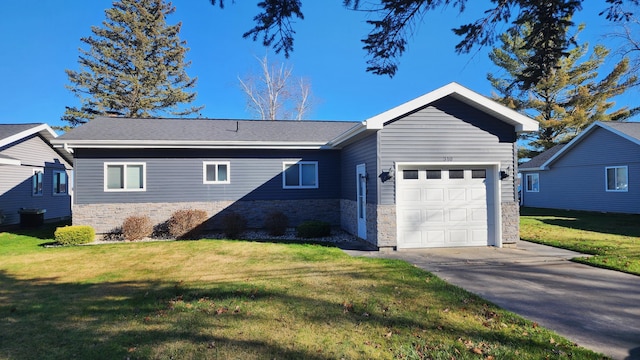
x=177, y=176
x=361, y=152
x=16, y=181
x=447, y=130
x=576, y=180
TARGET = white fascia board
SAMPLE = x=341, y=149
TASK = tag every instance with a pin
x=4, y=161
x=116, y=144
x=521, y=122
x=45, y=130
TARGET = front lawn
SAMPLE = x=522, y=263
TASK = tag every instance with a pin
x=613, y=239
x=215, y=299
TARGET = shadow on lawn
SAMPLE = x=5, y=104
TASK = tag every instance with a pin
x=43, y=318
x=608, y=223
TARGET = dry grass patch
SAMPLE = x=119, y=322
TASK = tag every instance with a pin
x=228, y=299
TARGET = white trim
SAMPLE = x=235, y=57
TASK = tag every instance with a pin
x=284, y=168
x=521, y=122
x=53, y=179
x=124, y=165
x=606, y=178
x=5, y=161
x=497, y=194
x=47, y=133
x=217, y=164
x=156, y=144
x=526, y=182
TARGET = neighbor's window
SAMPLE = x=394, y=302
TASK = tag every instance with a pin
x=125, y=176
x=533, y=183
x=300, y=175
x=215, y=172
x=59, y=182
x=617, y=178
x=36, y=181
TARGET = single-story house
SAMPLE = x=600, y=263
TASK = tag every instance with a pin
x=599, y=170
x=33, y=175
x=437, y=171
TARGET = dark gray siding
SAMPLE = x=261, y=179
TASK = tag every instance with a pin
x=447, y=130
x=577, y=179
x=176, y=175
x=15, y=181
x=361, y=152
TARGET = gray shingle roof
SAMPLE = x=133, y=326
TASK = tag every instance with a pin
x=205, y=130
x=7, y=130
x=537, y=161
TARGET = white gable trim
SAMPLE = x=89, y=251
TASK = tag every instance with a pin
x=521, y=122
x=584, y=134
x=45, y=130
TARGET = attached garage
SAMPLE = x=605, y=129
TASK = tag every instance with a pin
x=447, y=205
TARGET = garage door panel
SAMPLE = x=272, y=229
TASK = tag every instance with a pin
x=479, y=215
x=457, y=236
x=458, y=215
x=434, y=237
x=411, y=195
x=434, y=195
x=479, y=235
x=459, y=194
x=434, y=216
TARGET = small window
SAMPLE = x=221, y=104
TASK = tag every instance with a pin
x=434, y=174
x=300, y=175
x=36, y=181
x=456, y=174
x=478, y=174
x=533, y=183
x=59, y=182
x=216, y=172
x=617, y=178
x=410, y=174
x=125, y=177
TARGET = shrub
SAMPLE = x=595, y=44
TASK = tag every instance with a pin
x=313, y=229
x=74, y=235
x=187, y=224
x=137, y=227
x=233, y=224
x=276, y=223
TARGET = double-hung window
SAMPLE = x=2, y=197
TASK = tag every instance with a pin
x=617, y=178
x=36, y=182
x=59, y=182
x=533, y=183
x=216, y=172
x=125, y=177
x=300, y=175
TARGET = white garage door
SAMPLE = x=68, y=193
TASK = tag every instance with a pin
x=444, y=206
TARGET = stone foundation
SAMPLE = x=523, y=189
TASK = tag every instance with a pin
x=510, y=223
x=387, y=234
x=105, y=218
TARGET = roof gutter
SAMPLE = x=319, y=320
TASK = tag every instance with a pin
x=154, y=144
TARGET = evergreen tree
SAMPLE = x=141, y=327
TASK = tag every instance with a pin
x=134, y=66
x=568, y=99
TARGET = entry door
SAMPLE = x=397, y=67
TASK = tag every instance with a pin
x=361, y=185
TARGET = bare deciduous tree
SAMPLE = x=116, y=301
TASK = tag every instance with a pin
x=275, y=94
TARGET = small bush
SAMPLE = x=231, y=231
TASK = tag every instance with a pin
x=313, y=229
x=276, y=223
x=233, y=224
x=74, y=235
x=137, y=227
x=187, y=224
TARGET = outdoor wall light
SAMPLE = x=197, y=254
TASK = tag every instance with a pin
x=386, y=175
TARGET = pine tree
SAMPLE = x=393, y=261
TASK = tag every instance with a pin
x=567, y=100
x=134, y=66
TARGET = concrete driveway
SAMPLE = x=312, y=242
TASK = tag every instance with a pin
x=596, y=308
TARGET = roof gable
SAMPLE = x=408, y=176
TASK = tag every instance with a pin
x=521, y=122
x=629, y=131
x=11, y=133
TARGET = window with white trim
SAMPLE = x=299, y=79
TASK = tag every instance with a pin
x=59, y=182
x=36, y=182
x=300, y=175
x=533, y=183
x=617, y=178
x=125, y=177
x=216, y=172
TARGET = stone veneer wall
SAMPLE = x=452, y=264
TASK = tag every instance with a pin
x=387, y=229
x=108, y=217
x=349, y=223
x=510, y=222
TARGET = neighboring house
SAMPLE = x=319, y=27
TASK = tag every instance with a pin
x=436, y=171
x=599, y=170
x=33, y=175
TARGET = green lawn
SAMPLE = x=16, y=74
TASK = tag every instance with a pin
x=213, y=299
x=613, y=239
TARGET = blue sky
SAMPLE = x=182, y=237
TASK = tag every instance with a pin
x=41, y=40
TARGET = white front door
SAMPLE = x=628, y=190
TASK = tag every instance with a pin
x=361, y=186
